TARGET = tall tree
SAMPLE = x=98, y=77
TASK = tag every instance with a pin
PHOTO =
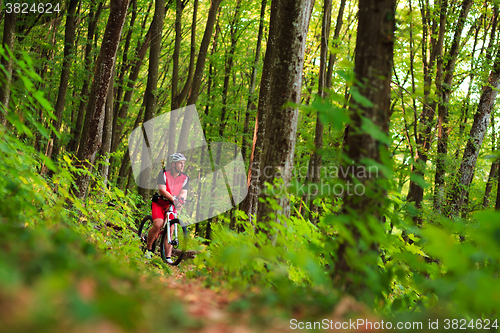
x=493, y=174
x=107, y=132
x=178, y=97
x=477, y=133
x=443, y=89
x=324, y=81
x=9, y=33
x=94, y=116
x=432, y=49
x=150, y=99
x=285, y=57
x=372, y=68
x=69, y=39
x=198, y=73
x=76, y=131
x=121, y=111
x=253, y=80
x=233, y=32
x=249, y=204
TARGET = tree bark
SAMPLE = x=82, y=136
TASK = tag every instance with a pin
x=373, y=69
x=426, y=118
x=94, y=118
x=198, y=73
x=253, y=80
x=250, y=203
x=313, y=172
x=444, y=92
x=178, y=97
x=289, y=26
x=124, y=67
x=9, y=33
x=175, y=57
x=229, y=66
x=492, y=177
x=69, y=39
x=477, y=133
x=150, y=100
x=132, y=79
x=466, y=106
x=76, y=132
x=107, y=132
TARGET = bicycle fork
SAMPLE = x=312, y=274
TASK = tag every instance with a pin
x=172, y=240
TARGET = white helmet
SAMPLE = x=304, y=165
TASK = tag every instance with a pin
x=176, y=158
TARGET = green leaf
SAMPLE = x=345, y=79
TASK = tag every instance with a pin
x=330, y=114
x=360, y=99
x=48, y=162
x=419, y=180
x=370, y=128
x=44, y=103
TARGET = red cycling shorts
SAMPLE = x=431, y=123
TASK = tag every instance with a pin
x=160, y=208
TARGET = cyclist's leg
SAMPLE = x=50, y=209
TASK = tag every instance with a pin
x=157, y=213
x=154, y=231
x=168, y=247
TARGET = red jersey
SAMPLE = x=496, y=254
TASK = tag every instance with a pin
x=174, y=184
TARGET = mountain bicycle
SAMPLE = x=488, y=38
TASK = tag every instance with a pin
x=178, y=240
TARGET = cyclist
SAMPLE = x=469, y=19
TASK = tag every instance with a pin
x=173, y=185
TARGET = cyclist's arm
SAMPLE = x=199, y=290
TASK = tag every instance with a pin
x=183, y=194
x=163, y=192
x=179, y=203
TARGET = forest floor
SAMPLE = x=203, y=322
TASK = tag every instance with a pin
x=211, y=307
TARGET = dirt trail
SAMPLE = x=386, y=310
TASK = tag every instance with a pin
x=212, y=307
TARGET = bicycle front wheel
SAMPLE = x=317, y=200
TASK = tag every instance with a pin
x=146, y=224
x=180, y=242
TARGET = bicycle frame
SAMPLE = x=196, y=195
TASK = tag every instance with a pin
x=166, y=224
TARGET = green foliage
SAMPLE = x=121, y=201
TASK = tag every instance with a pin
x=67, y=263
x=61, y=270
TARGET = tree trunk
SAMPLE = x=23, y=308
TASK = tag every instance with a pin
x=426, y=118
x=250, y=203
x=175, y=57
x=289, y=26
x=373, y=68
x=212, y=75
x=150, y=99
x=107, y=132
x=9, y=33
x=94, y=118
x=69, y=38
x=229, y=66
x=124, y=67
x=120, y=112
x=477, y=133
x=253, y=80
x=76, y=132
x=118, y=123
x=198, y=74
x=125, y=165
x=178, y=97
x=444, y=92
x=313, y=172
x=466, y=106
x=492, y=177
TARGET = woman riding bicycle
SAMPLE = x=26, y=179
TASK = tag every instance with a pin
x=173, y=185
